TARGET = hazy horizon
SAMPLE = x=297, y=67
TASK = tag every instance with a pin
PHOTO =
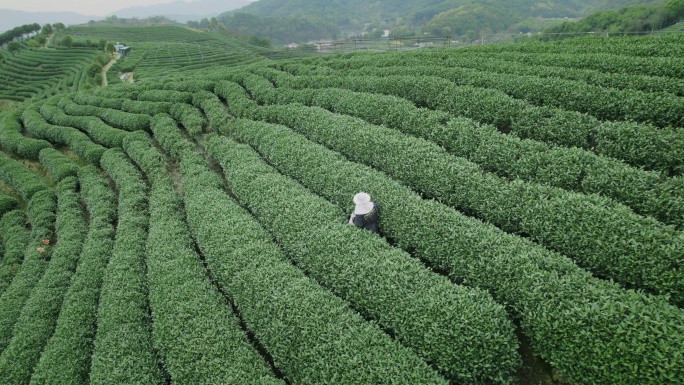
x=89, y=8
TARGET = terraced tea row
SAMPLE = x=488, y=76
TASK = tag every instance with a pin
x=660, y=109
x=647, y=193
x=636, y=144
x=517, y=207
x=650, y=46
x=36, y=72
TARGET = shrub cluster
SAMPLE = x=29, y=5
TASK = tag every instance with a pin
x=18, y=177
x=13, y=141
x=79, y=142
x=57, y=164
x=120, y=119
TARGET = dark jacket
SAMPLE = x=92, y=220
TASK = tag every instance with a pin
x=368, y=221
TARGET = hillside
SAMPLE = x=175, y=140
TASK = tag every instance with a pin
x=638, y=19
x=40, y=72
x=168, y=49
x=435, y=16
x=193, y=226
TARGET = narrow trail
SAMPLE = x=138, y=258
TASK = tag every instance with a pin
x=105, y=83
x=49, y=39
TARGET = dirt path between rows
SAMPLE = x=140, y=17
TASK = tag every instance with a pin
x=49, y=39
x=105, y=83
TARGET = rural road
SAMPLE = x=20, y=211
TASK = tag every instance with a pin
x=104, y=72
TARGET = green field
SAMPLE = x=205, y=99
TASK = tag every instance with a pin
x=191, y=227
x=167, y=49
x=39, y=72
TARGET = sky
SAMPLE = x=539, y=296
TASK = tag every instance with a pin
x=84, y=7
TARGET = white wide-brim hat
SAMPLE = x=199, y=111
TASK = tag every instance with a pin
x=363, y=203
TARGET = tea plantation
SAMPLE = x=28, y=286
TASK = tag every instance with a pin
x=191, y=227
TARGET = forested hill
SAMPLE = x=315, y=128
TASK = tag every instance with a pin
x=496, y=15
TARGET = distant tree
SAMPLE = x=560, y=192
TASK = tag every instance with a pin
x=20, y=32
x=26, y=30
x=110, y=47
x=13, y=46
x=102, y=44
x=102, y=58
x=260, y=41
x=214, y=24
x=35, y=28
x=204, y=23
x=675, y=9
x=193, y=24
x=376, y=34
x=58, y=26
x=33, y=43
x=278, y=29
x=94, y=69
x=156, y=20
x=470, y=36
x=41, y=39
x=47, y=29
x=97, y=80
x=402, y=31
x=67, y=41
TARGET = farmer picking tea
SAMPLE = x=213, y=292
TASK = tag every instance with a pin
x=365, y=213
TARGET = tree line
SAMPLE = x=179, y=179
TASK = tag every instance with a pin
x=625, y=20
x=262, y=30
x=18, y=32
x=38, y=39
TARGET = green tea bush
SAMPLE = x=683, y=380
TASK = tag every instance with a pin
x=38, y=318
x=67, y=356
x=19, y=177
x=57, y=164
x=15, y=239
x=124, y=351
x=42, y=208
x=196, y=333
